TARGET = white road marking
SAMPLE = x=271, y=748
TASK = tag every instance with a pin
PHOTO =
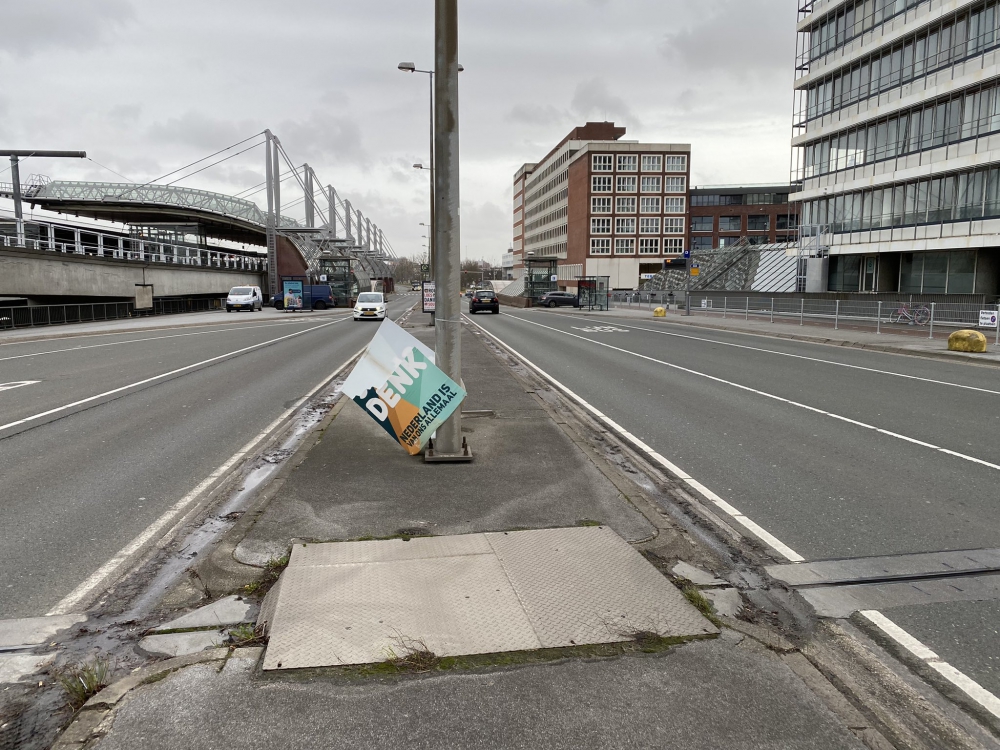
x=754, y=529
x=775, y=397
x=963, y=682
x=106, y=572
x=151, y=338
x=17, y=384
x=600, y=329
x=90, y=399
x=794, y=356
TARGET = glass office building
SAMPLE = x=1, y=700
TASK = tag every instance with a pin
x=896, y=145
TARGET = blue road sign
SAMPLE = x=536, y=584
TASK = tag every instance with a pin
x=687, y=253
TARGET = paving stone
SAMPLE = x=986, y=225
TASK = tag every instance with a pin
x=178, y=644
x=13, y=667
x=32, y=631
x=697, y=576
x=229, y=611
x=727, y=602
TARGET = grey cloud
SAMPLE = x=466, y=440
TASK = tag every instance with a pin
x=32, y=27
x=201, y=132
x=544, y=114
x=324, y=136
x=593, y=99
x=739, y=37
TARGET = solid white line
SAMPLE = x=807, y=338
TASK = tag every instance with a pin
x=963, y=682
x=754, y=529
x=794, y=356
x=772, y=396
x=17, y=384
x=153, y=379
x=103, y=574
x=152, y=338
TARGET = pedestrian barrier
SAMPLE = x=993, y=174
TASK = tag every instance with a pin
x=28, y=316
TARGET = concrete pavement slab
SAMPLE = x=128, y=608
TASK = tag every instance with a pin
x=181, y=644
x=700, y=696
x=228, y=611
x=697, y=576
x=31, y=631
x=14, y=667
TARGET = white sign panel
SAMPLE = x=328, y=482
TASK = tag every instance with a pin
x=987, y=318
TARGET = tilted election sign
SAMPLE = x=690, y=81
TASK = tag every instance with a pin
x=398, y=384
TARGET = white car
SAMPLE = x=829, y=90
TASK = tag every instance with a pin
x=370, y=306
x=244, y=298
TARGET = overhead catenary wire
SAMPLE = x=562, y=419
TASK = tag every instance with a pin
x=213, y=164
x=110, y=170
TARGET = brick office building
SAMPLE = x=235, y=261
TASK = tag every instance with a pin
x=601, y=206
x=722, y=215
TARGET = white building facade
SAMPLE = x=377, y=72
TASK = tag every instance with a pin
x=896, y=145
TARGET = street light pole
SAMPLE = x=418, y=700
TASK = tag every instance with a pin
x=447, y=236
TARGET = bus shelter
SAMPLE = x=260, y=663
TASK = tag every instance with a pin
x=593, y=292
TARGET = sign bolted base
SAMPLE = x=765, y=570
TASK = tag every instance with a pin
x=433, y=457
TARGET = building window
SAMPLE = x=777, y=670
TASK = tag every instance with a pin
x=728, y=241
x=625, y=205
x=702, y=223
x=628, y=163
x=717, y=200
x=600, y=226
x=675, y=184
x=649, y=205
x=649, y=246
x=675, y=244
x=758, y=223
x=602, y=163
x=649, y=225
x=624, y=246
x=600, y=246
x=652, y=163
x=702, y=243
x=730, y=223
x=600, y=205
x=677, y=163
x=600, y=184
x=624, y=226
x=758, y=239
x=673, y=226
x=652, y=184
x=787, y=221
x=672, y=205
x=626, y=184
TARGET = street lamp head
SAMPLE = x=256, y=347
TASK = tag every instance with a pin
x=407, y=67
x=418, y=166
x=460, y=67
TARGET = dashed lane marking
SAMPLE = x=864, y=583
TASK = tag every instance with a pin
x=775, y=397
x=17, y=384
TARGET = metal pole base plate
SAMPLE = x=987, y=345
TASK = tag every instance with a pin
x=431, y=456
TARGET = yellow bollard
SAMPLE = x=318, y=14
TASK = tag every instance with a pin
x=967, y=341
x=659, y=313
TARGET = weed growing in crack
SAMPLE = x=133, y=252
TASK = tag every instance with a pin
x=246, y=635
x=81, y=682
x=703, y=605
x=272, y=571
x=411, y=655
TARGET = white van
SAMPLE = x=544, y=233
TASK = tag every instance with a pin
x=244, y=298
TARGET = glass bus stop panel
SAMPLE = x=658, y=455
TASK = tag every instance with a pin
x=592, y=292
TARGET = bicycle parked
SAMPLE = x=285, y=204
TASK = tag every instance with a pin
x=920, y=315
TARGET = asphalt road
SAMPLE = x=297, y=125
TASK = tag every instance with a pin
x=839, y=453
x=83, y=476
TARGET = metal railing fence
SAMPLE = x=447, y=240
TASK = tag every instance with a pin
x=28, y=316
x=880, y=316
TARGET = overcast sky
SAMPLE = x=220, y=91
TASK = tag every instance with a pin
x=146, y=87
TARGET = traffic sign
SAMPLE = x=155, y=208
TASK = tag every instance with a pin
x=425, y=268
x=687, y=253
x=695, y=269
x=987, y=318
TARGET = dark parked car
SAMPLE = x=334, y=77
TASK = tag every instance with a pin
x=484, y=300
x=558, y=299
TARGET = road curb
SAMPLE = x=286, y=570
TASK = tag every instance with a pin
x=85, y=725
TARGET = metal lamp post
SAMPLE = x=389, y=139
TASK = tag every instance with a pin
x=15, y=178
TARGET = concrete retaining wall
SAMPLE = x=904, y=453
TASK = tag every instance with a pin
x=514, y=301
x=28, y=274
